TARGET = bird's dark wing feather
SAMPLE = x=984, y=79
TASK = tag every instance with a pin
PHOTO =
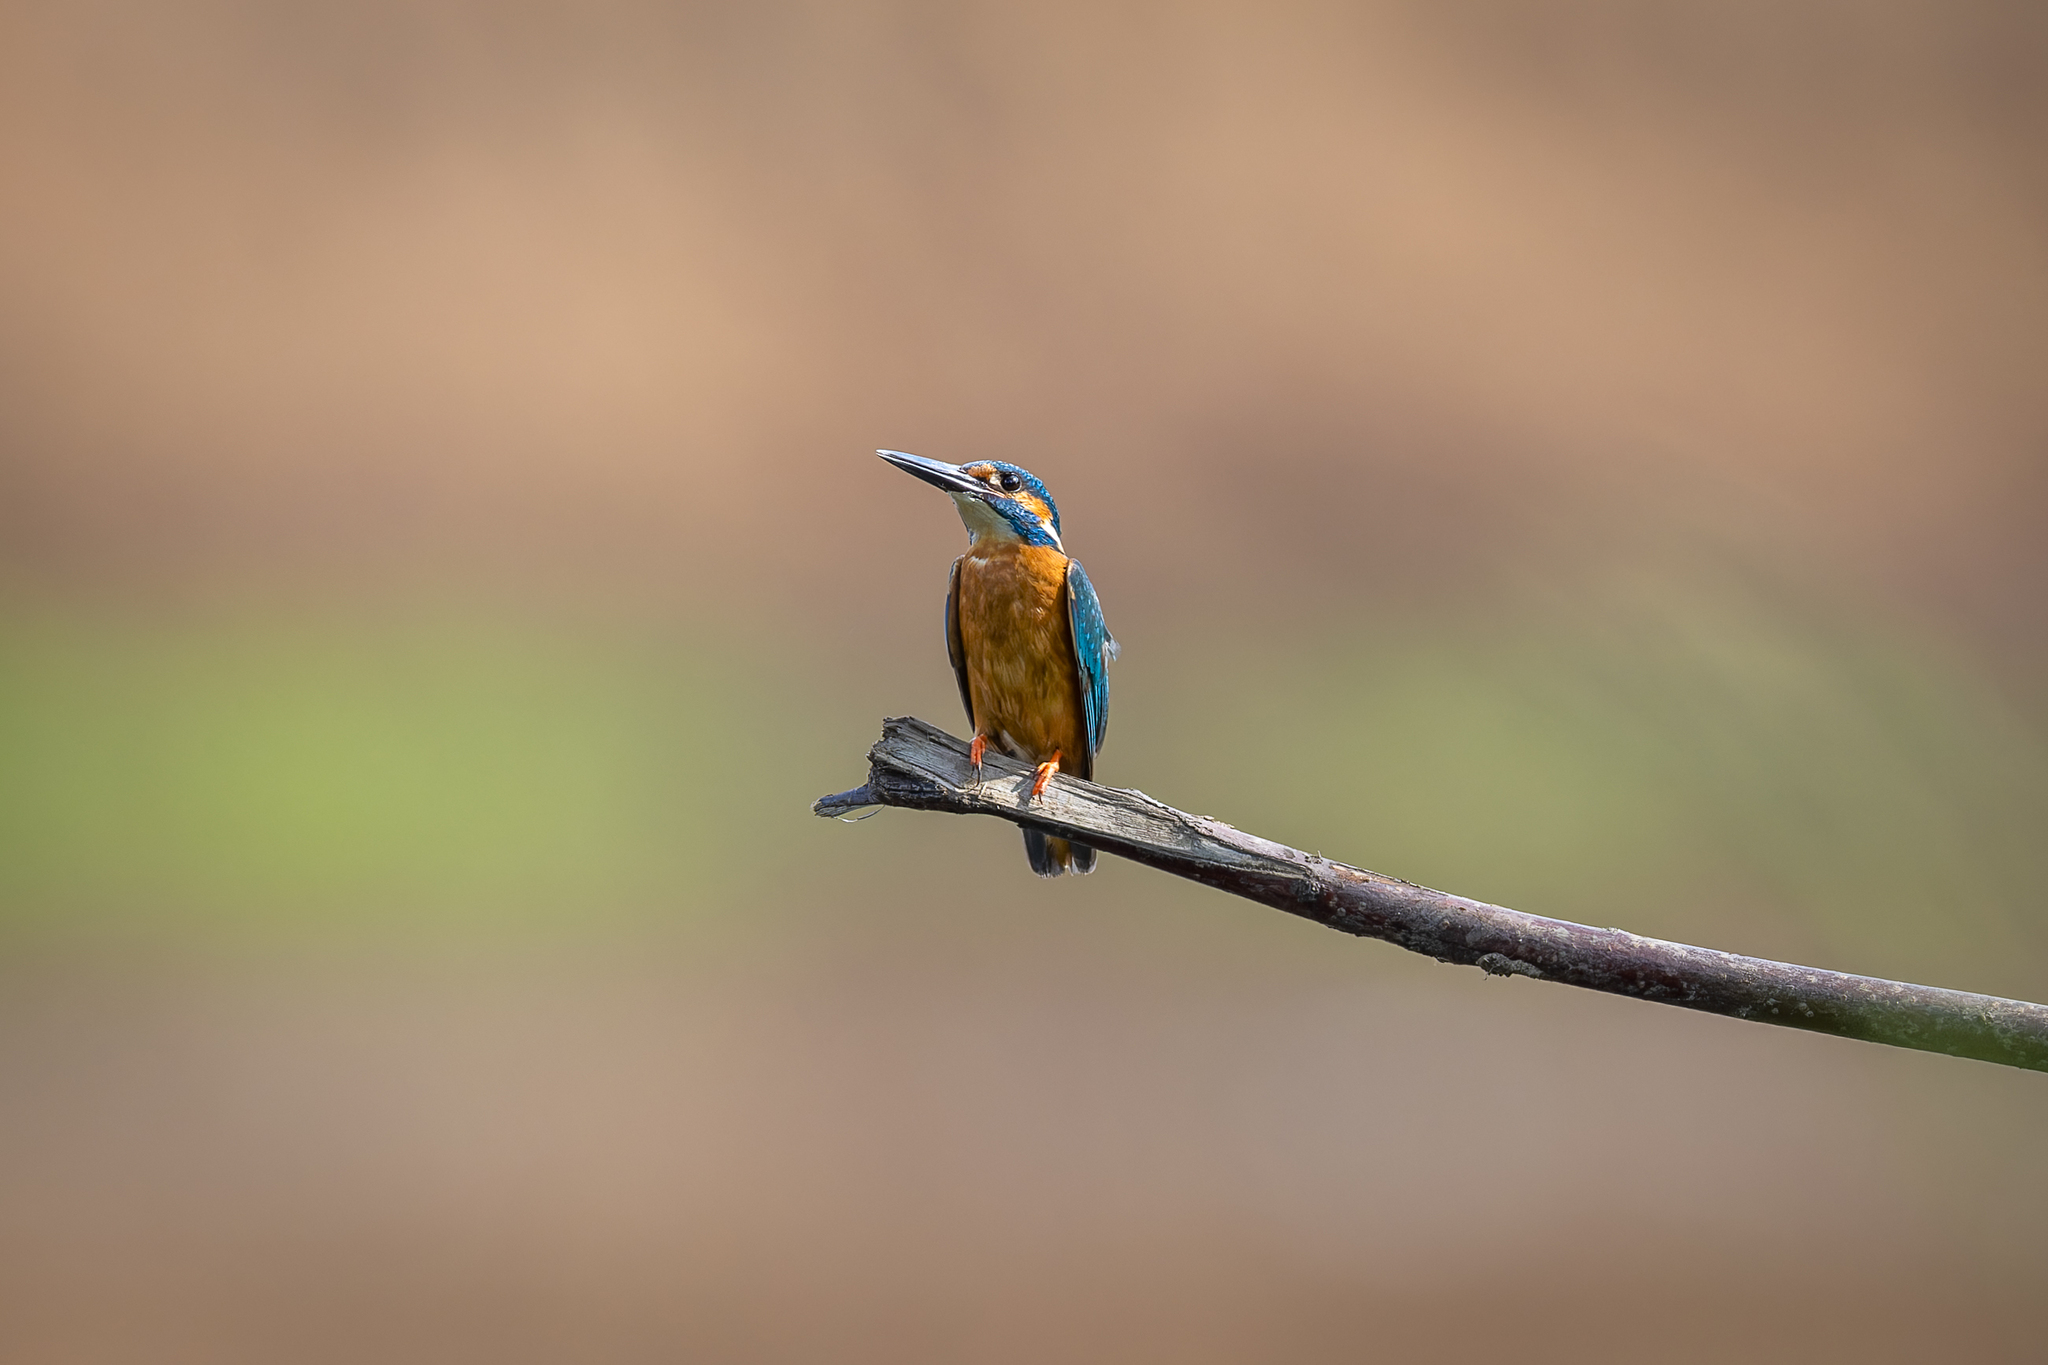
x=956, y=652
x=1094, y=647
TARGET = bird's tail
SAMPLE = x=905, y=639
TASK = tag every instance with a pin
x=1050, y=857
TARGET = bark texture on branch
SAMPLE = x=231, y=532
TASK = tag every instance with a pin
x=920, y=767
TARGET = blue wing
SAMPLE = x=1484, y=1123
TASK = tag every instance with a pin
x=1094, y=647
x=956, y=652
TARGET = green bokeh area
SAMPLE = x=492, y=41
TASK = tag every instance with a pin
x=269, y=772
x=1701, y=763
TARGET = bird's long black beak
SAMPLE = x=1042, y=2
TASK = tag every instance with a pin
x=934, y=472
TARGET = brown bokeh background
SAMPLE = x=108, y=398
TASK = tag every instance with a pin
x=1584, y=455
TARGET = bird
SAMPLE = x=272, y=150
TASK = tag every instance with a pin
x=1025, y=635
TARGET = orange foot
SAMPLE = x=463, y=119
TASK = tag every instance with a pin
x=1045, y=772
x=974, y=753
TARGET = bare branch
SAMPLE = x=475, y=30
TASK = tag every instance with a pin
x=920, y=767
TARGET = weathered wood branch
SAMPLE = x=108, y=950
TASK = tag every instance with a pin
x=920, y=767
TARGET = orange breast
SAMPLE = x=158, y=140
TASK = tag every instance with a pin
x=1019, y=653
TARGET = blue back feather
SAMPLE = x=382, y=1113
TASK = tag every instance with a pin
x=1094, y=647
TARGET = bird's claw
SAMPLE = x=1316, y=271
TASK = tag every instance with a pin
x=974, y=753
x=1045, y=772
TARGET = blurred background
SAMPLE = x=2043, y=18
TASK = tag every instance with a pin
x=1589, y=456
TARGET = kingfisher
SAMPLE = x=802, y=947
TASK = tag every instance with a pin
x=1025, y=635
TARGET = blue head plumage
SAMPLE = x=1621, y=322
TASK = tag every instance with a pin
x=1029, y=506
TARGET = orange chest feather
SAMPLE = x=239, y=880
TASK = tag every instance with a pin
x=1019, y=653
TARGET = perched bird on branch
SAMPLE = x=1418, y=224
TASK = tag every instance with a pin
x=1025, y=634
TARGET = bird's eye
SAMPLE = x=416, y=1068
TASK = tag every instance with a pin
x=1010, y=482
